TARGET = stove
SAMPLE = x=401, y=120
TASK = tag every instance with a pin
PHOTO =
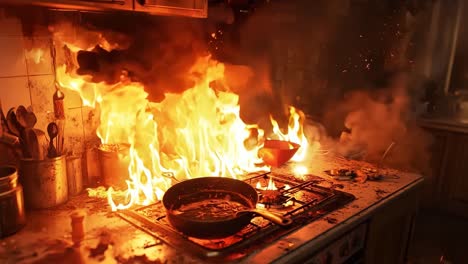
x=302, y=201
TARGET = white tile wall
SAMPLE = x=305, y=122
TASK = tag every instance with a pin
x=43, y=119
x=38, y=57
x=14, y=91
x=74, y=132
x=90, y=122
x=12, y=62
x=42, y=89
x=72, y=99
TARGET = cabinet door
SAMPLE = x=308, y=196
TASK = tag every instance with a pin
x=432, y=179
x=390, y=230
x=455, y=180
x=90, y=5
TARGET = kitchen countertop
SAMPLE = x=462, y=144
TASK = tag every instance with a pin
x=109, y=239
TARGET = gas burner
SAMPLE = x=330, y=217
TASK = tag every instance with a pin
x=303, y=202
x=272, y=196
x=274, y=199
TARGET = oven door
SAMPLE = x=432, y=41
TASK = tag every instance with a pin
x=190, y=8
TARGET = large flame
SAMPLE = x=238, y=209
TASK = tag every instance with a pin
x=196, y=133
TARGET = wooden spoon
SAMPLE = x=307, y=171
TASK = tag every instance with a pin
x=3, y=121
x=12, y=122
x=26, y=118
x=21, y=113
x=37, y=143
x=18, y=130
x=52, y=130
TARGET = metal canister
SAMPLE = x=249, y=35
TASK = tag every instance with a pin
x=45, y=182
x=114, y=160
x=74, y=175
x=92, y=173
x=12, y=216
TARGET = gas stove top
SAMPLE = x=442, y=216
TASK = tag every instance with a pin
x=302, y=201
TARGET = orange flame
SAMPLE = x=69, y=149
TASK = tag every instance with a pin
x=295, y=133
x=300, y=170
x=35, y=54
x=201, y=135
x=196, y=133
x=271, y=186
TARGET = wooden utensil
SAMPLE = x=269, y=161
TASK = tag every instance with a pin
x=3, y=121
x=18, y=130
x=6, y=136
x=21, y=114
x=12, y=122
x=59, y=111
x=52, y=130
x=37, y=143
x=25, y=118
x=21, y=117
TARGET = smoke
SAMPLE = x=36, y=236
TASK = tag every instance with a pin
x=375, y=120
x=352, y=68
x=277, y=42
x=155, y=51
x=315, y=55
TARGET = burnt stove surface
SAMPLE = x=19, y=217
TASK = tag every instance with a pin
x=302, y=201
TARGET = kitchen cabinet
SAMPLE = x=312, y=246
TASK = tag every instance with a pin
x=189, y=8
x=86, y=5
x=430, y=196
x=454, y=187
x=391, y=230
x=447, y=188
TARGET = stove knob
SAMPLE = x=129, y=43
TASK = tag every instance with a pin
x=344, y=249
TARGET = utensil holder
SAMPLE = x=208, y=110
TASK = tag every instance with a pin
x=45, y=182
x=74, y=175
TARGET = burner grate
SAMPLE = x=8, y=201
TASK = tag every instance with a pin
x=308, y=203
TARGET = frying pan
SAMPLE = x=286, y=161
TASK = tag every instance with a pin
x=204, y=189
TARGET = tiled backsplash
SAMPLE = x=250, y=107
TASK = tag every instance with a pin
x=27, y=78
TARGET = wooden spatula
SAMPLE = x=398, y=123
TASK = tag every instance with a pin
x=37, y=141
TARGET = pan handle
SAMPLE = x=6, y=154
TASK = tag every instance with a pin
x=277, y=219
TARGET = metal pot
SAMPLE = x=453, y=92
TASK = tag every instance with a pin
x=12, y=217
x=114, y=165
x=45, y=182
